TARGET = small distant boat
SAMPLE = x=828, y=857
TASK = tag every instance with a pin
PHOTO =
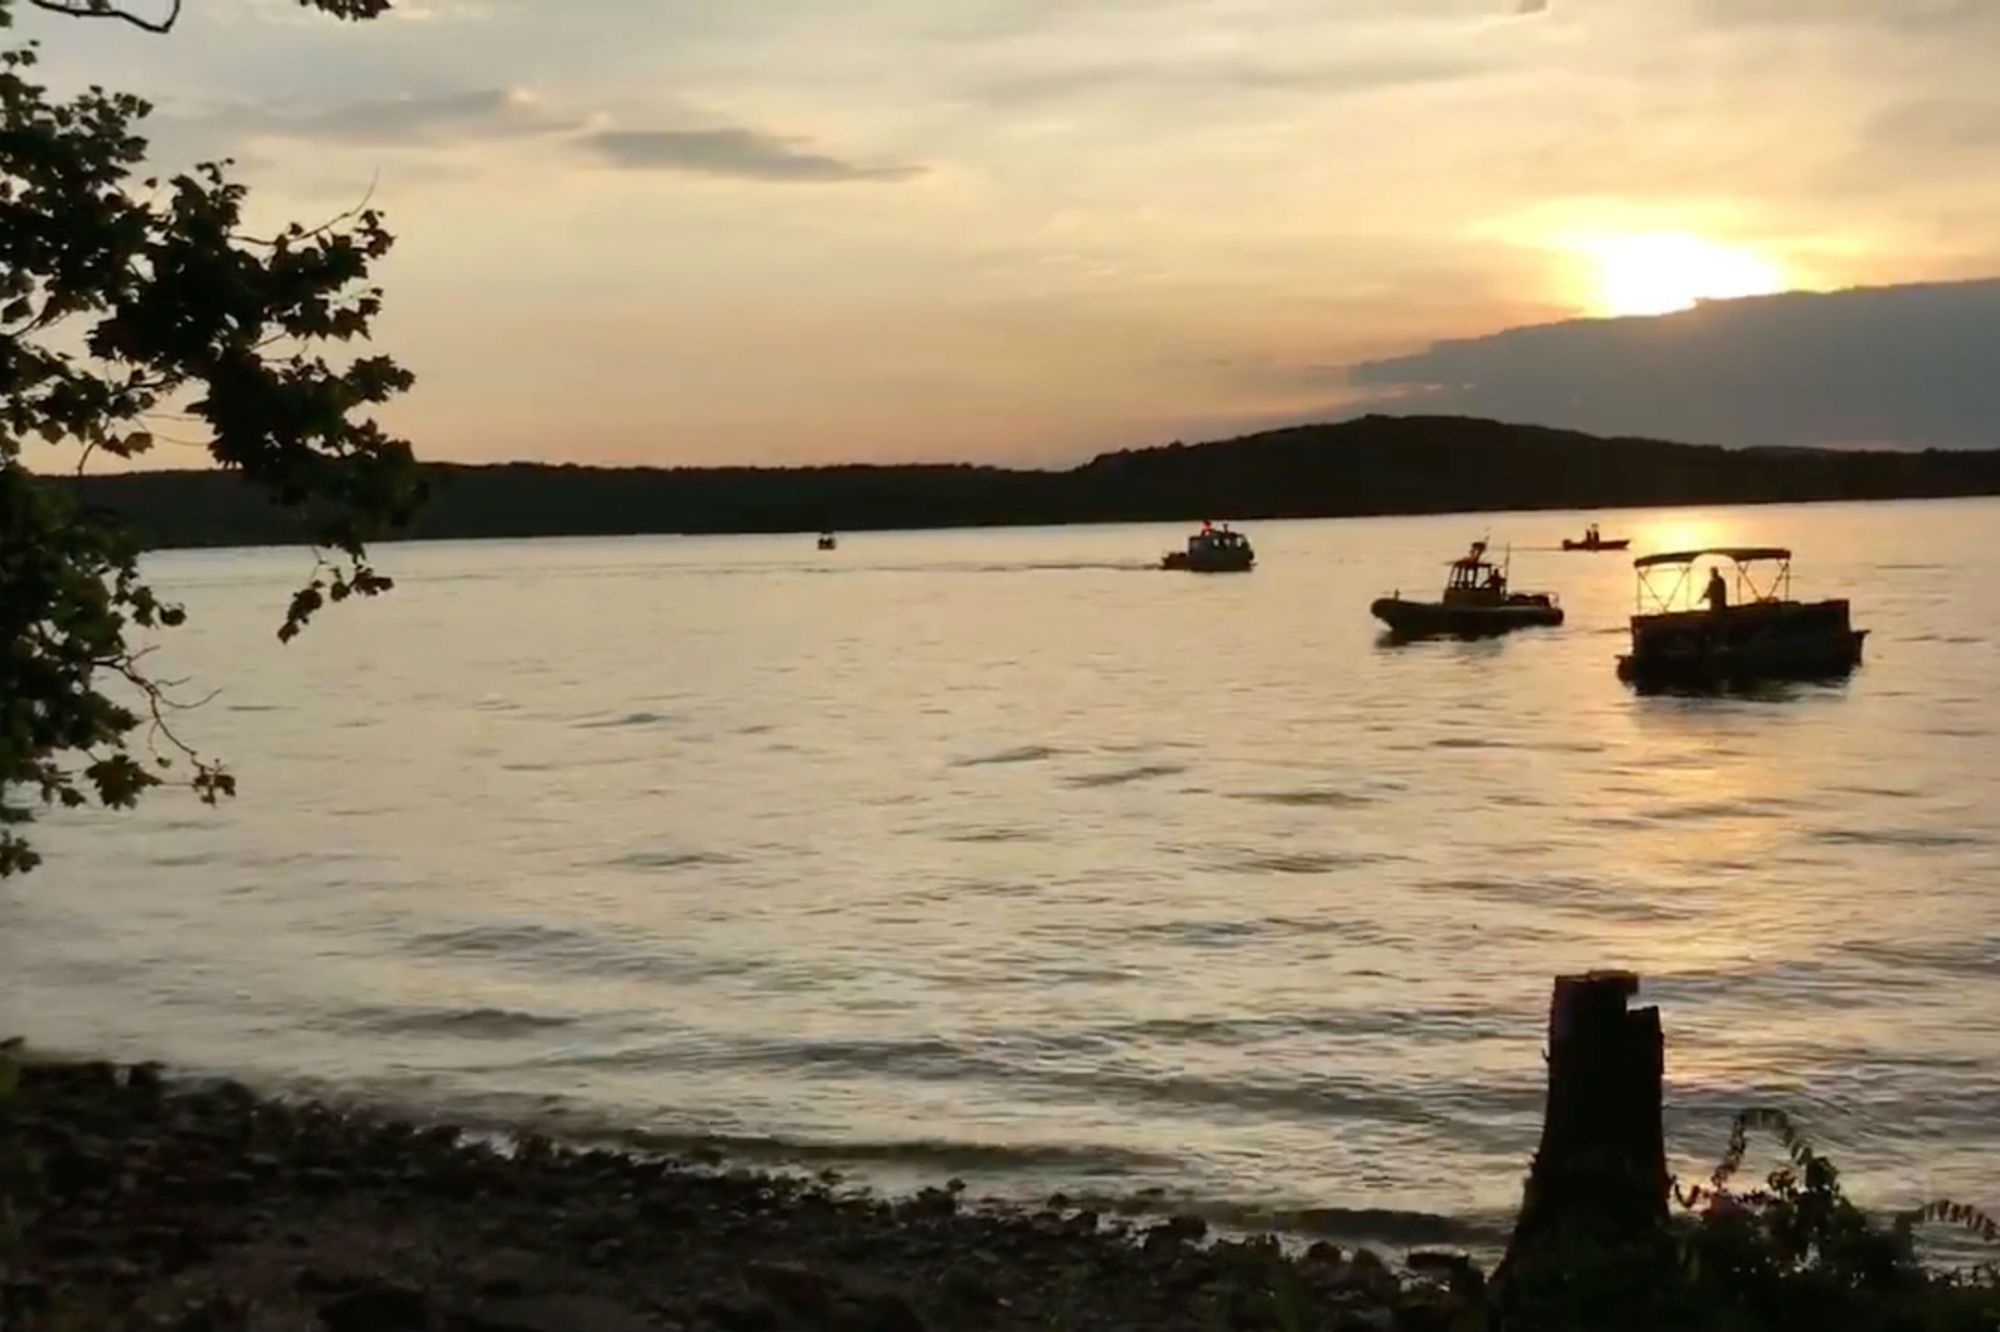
x=1476, y=604
x=1762, y=634
x=827, y=541
x=1593, y=540
x=1213, y=550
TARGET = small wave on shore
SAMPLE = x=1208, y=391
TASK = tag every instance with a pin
x=1110, y=1180
x=1369, y=1225
x=466, y=1023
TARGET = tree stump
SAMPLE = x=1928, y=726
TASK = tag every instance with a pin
x=1599, y=1179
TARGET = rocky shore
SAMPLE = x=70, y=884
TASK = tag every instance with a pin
x=140, y=1203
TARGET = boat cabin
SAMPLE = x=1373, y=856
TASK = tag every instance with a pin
x=1213, y=550
x=1475, y=579
x=1217, y=541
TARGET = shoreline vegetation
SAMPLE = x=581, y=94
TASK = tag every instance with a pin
x=1370, y=466
x=133, y=1201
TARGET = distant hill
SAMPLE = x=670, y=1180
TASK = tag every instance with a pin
x=1370, y=465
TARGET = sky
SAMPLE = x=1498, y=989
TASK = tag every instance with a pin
x=1026, y=231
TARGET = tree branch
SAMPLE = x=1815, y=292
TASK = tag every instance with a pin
x=298, y=234
x=105, y=9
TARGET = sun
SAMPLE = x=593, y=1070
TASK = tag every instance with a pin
x=1660, y=272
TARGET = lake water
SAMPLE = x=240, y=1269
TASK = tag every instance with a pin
x=1001, y=854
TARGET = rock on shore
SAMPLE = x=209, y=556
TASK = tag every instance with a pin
x=208, y=1208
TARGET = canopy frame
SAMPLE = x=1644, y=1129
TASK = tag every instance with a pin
x=1678, y=594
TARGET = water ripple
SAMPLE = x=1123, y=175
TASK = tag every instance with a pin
x=1182, y=872
x=1018, y=754
x=1311, y=798
x=1122, y=776
x=627, y=719
x=1923, y=839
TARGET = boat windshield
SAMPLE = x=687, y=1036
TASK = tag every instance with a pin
x=1472, y=571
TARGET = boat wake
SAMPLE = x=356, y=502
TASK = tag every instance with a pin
x=967, y=567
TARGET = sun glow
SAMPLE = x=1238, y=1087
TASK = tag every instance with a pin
x=1661, y=272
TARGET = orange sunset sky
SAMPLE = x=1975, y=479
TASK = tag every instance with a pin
x=683, y=231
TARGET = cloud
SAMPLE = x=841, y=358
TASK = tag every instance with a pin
x=1894, y=15
x=1925, y=145
x=1948, y=123
x=436, y=11
x=484, y=113
x=1224, y=51
x=1229, y=77
x=394, y=122
x=1136, y=192
x=743, y=154
x=1903, y=366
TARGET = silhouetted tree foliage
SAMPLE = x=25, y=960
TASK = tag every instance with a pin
x=168, y=12
x=1373, y=465
x=123, y=301
x=1789, y=1253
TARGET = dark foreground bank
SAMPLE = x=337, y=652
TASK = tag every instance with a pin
x=208, y=1207
x=131, y=1203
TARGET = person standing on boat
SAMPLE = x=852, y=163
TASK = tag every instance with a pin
x=1717, y=595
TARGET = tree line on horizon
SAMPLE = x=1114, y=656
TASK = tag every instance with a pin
x=1369, y=465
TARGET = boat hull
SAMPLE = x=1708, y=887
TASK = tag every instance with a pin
x=1431, y=619
x=1219, y=563
x=1742, y=644
x=1617, y=544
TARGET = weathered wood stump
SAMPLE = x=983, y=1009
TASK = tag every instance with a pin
x=1599, y=1179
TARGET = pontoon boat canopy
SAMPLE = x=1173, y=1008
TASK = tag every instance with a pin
x=1741, y=554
